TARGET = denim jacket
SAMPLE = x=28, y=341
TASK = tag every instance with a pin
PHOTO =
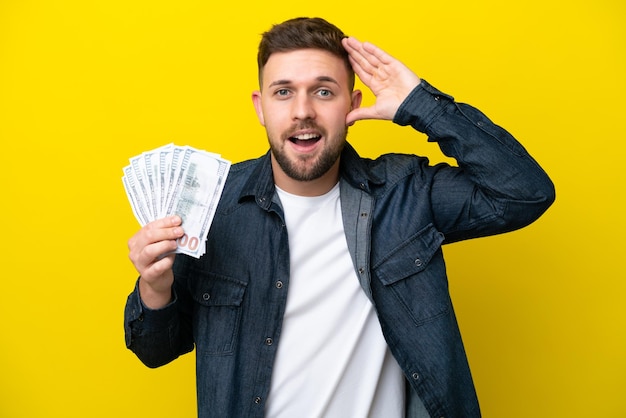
x=398, y=210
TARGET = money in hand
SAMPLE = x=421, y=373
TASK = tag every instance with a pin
x=175, y=180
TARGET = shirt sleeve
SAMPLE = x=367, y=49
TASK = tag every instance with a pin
x=497, y=186
x=154, y=335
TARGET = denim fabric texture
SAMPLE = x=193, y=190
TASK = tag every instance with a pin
x=398, y=211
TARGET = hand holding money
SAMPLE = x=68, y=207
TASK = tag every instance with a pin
x=174, y=180
x=152, y=252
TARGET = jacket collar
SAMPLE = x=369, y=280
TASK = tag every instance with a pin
x=357, y=171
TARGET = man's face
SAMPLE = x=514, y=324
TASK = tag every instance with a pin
x=303, y=103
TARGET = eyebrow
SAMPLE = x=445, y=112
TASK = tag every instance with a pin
x=322, y=78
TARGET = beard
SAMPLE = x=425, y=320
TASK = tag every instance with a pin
x=309, y=167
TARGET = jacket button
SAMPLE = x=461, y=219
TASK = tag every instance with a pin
x=206, y=296
x=415, y=376
x=257, y=400
x=279, y=284
x=418, y=262
x=269, y=341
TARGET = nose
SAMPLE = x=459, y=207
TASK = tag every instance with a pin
x=303, y=107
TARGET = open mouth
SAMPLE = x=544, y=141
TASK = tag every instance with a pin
x=305, y=139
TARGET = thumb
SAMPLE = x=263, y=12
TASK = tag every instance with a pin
x=361, y=113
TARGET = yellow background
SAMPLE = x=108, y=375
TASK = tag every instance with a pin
x=84, y=85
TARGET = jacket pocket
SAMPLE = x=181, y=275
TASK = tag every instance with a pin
x=414, y=273
x=217, y=313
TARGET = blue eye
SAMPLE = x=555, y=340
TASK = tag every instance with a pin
x=325, y=93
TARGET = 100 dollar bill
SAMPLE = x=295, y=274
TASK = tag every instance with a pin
x=177, y=180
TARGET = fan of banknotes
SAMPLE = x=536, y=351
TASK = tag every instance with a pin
x=177, y=180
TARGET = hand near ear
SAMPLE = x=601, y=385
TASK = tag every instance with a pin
x=389, y=79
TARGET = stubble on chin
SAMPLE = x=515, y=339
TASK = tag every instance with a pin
x=307, y=167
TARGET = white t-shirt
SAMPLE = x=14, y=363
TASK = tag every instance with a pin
x=332, y=359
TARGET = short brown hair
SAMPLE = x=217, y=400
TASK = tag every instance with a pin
x=303, y=33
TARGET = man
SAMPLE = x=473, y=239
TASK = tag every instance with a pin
x=323, y=290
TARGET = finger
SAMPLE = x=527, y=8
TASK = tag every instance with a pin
x=159, y=257
x=358, y=59
x=145, y=258
x=168, y=221
x=158, y=277
x=361, y=72
x=368, y=56
x=153, y=240
x=154, y=252
x=375, y=55
x=167, y=228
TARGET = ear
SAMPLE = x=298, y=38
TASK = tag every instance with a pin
x=256, y=101
x=355, y=103
x=357, y=96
